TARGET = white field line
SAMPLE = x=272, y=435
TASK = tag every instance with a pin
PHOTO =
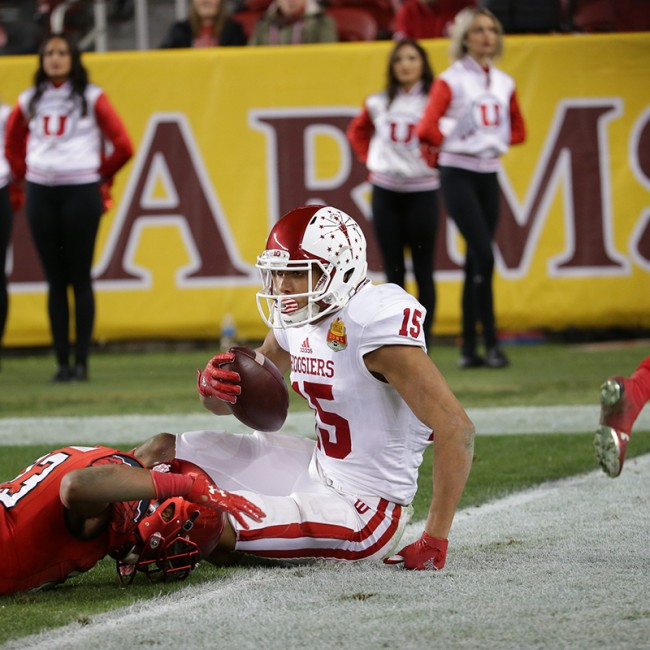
x=133, y=428
x=565, y=565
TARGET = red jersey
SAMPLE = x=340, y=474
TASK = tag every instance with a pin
x=37, y=549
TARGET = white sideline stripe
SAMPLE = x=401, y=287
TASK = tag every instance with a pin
x=564, y=565
x=111, y=429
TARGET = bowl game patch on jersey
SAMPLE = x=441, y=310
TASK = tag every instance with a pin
x=336, y=337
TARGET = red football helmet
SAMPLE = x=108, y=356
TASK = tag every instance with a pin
x=309, y=238
x=171, y=538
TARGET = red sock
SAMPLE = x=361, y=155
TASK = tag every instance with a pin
x=641, y=382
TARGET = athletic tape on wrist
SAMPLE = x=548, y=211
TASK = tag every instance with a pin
x=169, y=484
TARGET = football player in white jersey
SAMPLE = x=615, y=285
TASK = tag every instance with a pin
x=356, y=353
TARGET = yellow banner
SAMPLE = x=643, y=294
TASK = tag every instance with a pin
x=228, y=139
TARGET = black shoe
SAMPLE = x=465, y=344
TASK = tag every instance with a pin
x=470, y=361
x=63, y=374
x=495, y=358
x=80, y=373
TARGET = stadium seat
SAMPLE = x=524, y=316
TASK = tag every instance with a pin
x=530, y=17
x=594, y=16
x=633, y=15
x=383, y=11
x=255, y=5
x=354, y=24
x=247, y=19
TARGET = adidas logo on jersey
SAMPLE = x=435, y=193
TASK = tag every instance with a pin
x=305, y=348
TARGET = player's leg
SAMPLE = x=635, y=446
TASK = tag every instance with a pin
x=305, y=517
x=270, y=463
x=232, y=460
x=320, y=522
x=621, y=399
x=260, y=463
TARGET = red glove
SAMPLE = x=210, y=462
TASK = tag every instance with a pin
x=426, y=554
x=218, y=382
x=206, y=493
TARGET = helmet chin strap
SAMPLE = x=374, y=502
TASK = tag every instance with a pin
x=300, y=315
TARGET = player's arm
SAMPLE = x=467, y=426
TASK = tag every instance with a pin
x=424, y=389
x=89, y=491
x=219, y=387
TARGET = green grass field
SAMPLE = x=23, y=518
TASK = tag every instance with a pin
x=163, y=383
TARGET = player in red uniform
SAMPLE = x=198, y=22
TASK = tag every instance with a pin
x=621, y=401
x=73, y=506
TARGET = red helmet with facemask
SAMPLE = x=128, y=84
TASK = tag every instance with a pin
x=171, y=538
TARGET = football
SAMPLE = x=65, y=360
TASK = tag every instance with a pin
x=264, y=401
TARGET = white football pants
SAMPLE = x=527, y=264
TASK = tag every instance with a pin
x=305, y=518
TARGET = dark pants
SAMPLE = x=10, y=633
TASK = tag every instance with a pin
x=64, y=221
x=6, y=223
x=472, y=201
x=408, y=220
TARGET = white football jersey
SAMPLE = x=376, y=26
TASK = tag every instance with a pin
x=369, y=440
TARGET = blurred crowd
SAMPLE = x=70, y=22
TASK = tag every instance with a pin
x=24, y=23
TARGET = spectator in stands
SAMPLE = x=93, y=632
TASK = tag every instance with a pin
x=20, y=29
x=66, y=16
x=525, y=16
x=473, y=117
x=207, y=25
x=120, y=10
x=404, y=186
x=426, y=18
x=55, y=139
x=290, y=22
